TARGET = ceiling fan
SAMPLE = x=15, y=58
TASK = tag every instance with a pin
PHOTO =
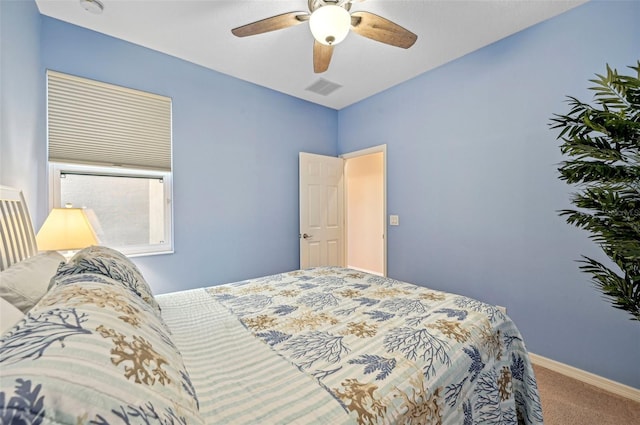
x=330, y=21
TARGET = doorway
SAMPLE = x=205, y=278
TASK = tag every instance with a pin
x=365, y=210
x=343, y=207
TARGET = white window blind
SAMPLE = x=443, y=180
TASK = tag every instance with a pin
x=90, y=122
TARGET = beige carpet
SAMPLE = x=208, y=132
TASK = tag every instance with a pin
x=566, y=401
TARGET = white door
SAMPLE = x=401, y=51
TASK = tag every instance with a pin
x=321, y=211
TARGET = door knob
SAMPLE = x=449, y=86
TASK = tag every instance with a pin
x=307, y=236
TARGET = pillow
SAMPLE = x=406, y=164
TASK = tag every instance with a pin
x=9, y=315
x=24, y=283
x=91, y=352
x=108, y=262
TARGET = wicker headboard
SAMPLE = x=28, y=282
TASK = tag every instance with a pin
x=17, y=239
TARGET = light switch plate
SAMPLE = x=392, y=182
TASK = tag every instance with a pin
x=394, y=220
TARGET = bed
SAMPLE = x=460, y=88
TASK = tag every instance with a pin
x=325, y=345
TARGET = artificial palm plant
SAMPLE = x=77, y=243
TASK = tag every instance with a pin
x=602, y=140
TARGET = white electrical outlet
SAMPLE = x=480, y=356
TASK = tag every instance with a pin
x=502, y=309
x=394, y=220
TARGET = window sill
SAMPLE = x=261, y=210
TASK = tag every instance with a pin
x=145, y=254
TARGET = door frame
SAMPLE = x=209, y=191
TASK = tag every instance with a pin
x=355, y=154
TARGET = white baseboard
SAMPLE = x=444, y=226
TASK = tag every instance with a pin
x=360, y=269
x=587, y=377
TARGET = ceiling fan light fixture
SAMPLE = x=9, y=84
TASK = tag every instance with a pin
x=330, y=24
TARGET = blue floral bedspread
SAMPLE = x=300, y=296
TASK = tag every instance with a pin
x=392, y=352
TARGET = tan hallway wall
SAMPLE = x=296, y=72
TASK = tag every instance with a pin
x=365, y=219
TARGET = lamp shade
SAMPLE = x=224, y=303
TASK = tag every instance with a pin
x=66, y=229
x=330, y=24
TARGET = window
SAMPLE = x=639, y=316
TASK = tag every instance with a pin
x=130, y=210
x=110, y=152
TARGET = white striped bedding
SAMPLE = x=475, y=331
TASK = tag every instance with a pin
x=238, y=378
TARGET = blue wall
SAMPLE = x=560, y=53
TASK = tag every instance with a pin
x=471, y=167
x=472, y=175
x=22, y=128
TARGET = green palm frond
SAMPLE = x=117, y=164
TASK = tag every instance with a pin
x=597, y=171
x=611, y=92
x=622, y=291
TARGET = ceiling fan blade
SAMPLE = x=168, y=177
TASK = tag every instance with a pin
x=321, y=57
x=383, y=30
x=273, y=23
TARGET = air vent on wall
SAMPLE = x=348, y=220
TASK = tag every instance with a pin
x=323, y=87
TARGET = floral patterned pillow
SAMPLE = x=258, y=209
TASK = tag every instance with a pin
x=108, y=262
x=91, y=351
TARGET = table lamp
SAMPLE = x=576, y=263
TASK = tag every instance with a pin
x=66, y=229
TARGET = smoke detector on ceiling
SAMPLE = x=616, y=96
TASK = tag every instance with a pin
x=93, y=6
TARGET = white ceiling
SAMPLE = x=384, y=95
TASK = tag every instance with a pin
x=199, y=31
